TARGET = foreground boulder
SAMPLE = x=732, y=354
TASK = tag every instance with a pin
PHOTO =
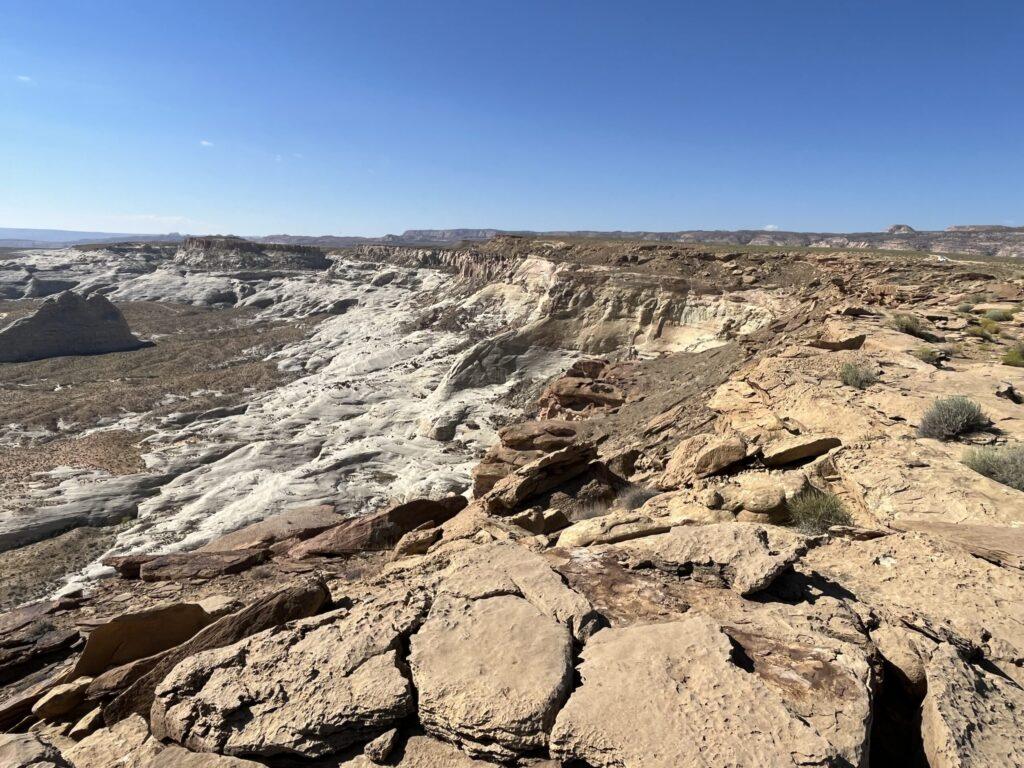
x=308, y=689
x=136, y=683
x=669, y=695
x=491, y=674
x=26, y=750
x=68, y=324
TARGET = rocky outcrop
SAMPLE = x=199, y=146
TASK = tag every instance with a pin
x=229, y=254
x=310, y=689
x=66, y=325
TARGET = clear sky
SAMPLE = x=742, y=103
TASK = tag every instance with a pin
x=375, y=116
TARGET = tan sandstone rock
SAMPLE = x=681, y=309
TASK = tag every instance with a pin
x=308, y=689
x=491, y=674
x=970, y=718
x=745, y=557
x=670, y=695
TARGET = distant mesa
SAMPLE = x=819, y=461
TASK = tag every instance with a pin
x=901, y=229
x=228, y=253
x=68, y=324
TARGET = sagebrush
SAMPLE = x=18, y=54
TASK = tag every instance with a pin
x=1003, y=463
x=856, y=375
x=951, y=417
x=814, y=511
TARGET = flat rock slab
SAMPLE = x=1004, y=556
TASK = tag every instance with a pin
x=970, y=718
x=999, y=544
x=308, y=689
x=491, y=674
x=301, y=523
x=670, y=695
x=746, y=557
x=934, y=587
x=127, y=743
x=134, y=636
x=176, y=757
x=798, y=448
x=200, y=565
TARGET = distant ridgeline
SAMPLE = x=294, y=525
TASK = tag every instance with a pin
x=230, y=253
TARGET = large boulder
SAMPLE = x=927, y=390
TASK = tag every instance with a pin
x=68, y=324
x=26, y=750
x=673, y=694
x=310, y=689
x=299, y=523
x=136, y=683
x=538, y=477
x=700, y=456
x=491, y=674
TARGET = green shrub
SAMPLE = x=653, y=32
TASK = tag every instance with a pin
x=813, y=511
x=979, y=332
x=951, y=417
x=966, y=307
x=998, y=315
x=929, y=355
x=908, y=324
x=859, y=376
x=1004, y=464
x=989, y=325
x=1015, y=355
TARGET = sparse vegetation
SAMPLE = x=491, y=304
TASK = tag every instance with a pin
x=1015, y=355
x=908, y=324
x=978, y=332
x=1004, y=464
x=857, y=375
x=950, y=417
x=991, y=326
x=928, y=355
x=999, y=315
x=813, y=511
x=966, y=308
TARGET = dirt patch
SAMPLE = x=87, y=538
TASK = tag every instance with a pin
x=34, y=571
x=202, y=358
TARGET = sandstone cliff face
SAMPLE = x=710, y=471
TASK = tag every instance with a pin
x=221, y=254
x=69, y=324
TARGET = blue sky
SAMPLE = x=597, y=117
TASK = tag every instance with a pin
x=375, y=116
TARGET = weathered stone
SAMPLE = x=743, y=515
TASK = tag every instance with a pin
x=612, y=528
x=87, y=723
x=491, y=674
x=537, y=477
x=29, y=639
x=999, y=544
x=300, y=523
x=700, y=456
x=755, y=493
x=180, y=566
x=379, y=749
x=379, y=531
x=542, y=435
x=61, y=699
x=134, y=636
x=970, y=718
x=309, y=689
x=745, y=557
x=26, y=750
x=907, y=652
x=573, y=393
x=838, y=336
x=417, y=542
x=294, y=602
x=797, y=448
x=671, y=695
x=127, y=743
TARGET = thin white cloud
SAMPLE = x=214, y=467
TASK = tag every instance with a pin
x=205, y=143
x=771, y=227
x=297, y=155
x=24, y=79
